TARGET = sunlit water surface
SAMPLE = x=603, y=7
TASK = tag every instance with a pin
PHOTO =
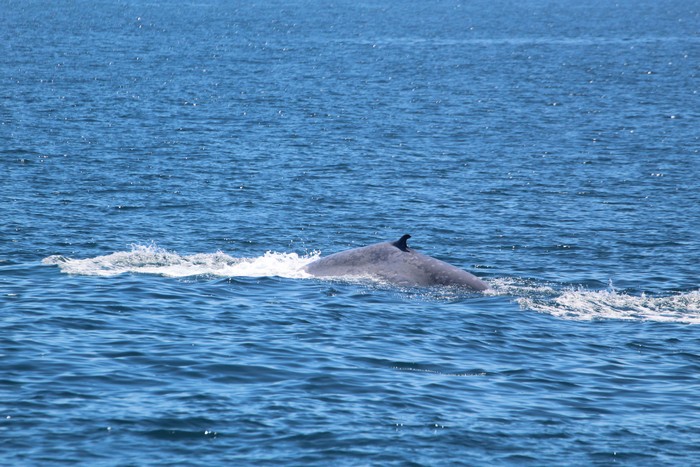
x=169, y=168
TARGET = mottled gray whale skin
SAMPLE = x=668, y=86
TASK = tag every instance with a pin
x=394, y=263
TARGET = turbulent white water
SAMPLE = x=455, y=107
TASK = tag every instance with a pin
x=151, y=259
x=581, y=304
x=562, y=302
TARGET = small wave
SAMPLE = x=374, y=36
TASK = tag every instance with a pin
x=151, y=259
x=441, y=373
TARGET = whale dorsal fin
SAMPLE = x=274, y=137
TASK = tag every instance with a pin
x=401, y=243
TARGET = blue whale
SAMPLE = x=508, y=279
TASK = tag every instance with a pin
x=396, y=264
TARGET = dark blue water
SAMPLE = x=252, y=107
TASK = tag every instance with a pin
x=168, y=168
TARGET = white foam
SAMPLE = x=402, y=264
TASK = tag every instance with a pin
x=583, y=304
x=151, y=259
x=586, y=305
x=518, y=286
x=551, y=298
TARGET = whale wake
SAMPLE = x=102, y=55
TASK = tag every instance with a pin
x=561, y=301
x=152, y=259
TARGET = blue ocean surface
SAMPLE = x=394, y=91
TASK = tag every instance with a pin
x=168, y=168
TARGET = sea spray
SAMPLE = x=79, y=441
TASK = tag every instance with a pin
x=152, y=259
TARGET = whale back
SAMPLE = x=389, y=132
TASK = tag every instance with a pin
x=394, y=263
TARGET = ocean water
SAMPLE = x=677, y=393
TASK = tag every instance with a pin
x=169, y=167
